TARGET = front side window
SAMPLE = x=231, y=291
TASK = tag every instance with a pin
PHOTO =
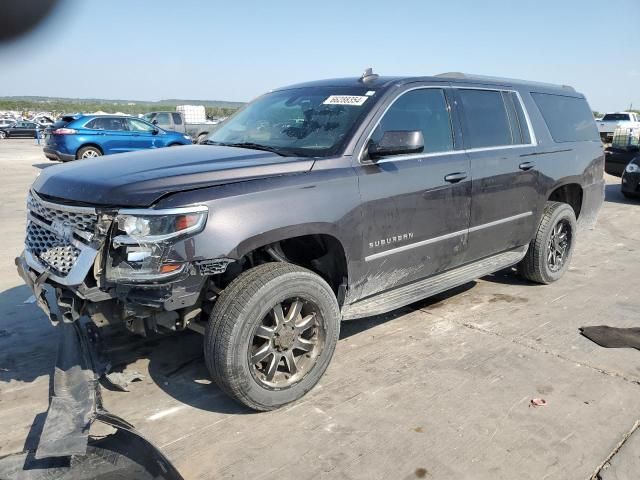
x=308, y=121
x=177, y=119
x=485, y=122
x=425, y=110
x=136, y=125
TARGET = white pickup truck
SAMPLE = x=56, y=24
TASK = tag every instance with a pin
x=612, y=121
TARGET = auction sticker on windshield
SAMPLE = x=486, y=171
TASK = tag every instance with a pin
x=356, y=100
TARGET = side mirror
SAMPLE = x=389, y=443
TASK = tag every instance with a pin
x=155, y=131
x=399, y=142
x=155, y=122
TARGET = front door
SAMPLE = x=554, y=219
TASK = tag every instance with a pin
x=141, y=134
x=415, y=207
x=499, y=142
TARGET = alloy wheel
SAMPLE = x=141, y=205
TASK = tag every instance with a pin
x=286, y=343
x=559, y=245
x=90, y=154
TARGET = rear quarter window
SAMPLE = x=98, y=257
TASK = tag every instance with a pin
x=569, y=119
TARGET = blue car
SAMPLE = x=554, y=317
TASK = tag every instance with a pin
x=87, y=136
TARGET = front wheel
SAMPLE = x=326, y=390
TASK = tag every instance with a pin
x=3, y=135
x=550, y=251
x=271, y=335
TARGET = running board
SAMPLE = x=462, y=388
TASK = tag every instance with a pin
x=406, y=294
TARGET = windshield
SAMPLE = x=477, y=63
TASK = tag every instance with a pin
x=616, y=116
x=302, y=121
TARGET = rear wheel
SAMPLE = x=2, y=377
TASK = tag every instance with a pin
x=271, y=335
x=202, y=138
x=550, y=251
x=88, y=152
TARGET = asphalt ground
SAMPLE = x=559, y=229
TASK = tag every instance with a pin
x=441, y=389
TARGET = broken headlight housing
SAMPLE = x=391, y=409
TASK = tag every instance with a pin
x=142, y=238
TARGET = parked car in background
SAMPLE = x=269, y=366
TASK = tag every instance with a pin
x=21, y=130
x=86, y=136
x=630, y=184
x=624, y=147
x=612, y=121
x=317, y=203
x=176, y=121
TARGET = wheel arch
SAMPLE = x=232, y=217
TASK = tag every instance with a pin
x=89, y=144
x=314, y=247
x=569, y=192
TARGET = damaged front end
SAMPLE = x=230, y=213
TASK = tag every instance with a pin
x=138, y=267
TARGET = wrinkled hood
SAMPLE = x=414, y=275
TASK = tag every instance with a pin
x=139, y=179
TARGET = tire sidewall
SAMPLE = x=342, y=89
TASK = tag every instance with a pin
x=563, y=212
x=305, y=285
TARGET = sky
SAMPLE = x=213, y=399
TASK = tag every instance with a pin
x=221, y=50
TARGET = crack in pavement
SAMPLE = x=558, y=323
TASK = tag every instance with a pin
x=546, y=351
x=625, y=437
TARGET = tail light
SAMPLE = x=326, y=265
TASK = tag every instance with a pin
x=64, y=131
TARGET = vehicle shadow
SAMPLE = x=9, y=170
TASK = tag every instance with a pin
x=176, y=362
x=613, y=194
x=28, y=345
x=28, y=341
x=42, y=166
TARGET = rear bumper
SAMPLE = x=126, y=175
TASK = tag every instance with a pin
x=53, y=154
x=592, y=200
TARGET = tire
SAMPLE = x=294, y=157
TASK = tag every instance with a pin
x=234, y=336
x=3, y=135
x=201, y=138
x=88, y=152
x=542, y=263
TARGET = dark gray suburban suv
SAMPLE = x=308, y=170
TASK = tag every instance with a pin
x=317, y=203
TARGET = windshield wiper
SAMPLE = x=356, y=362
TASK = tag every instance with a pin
x=250, y=145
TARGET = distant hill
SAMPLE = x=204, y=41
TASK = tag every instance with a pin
x=172, y=101
x=57, y=105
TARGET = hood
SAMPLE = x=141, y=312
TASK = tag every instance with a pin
x=139, y=179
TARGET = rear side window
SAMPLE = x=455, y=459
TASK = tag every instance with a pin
x=106, y=123
x=163, y=119
x=177, y=119
x=485, y=122
x=616, y=117
x=569, y=118
x=425, y=110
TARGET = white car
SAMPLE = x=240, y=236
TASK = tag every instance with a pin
x=613, y=121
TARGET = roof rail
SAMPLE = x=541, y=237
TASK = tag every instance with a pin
x=466, y=76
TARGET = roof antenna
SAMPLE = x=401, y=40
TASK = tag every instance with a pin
x=368, y=75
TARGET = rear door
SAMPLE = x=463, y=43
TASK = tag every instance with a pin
x=499, y=142
x=110, y=133
x=415, y=207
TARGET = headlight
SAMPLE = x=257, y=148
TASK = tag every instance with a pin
x=187, y=137
x=632, y=168
x=143, y=238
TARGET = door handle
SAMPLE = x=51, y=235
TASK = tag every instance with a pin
x=455, y=177
x=526, y=166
